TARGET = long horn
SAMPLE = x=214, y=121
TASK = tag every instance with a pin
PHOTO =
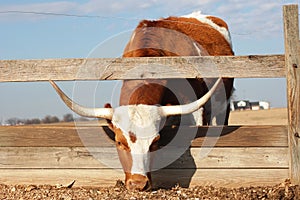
x=190, y=107
x=106, y=113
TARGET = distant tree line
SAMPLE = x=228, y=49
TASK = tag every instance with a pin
x=46, y=120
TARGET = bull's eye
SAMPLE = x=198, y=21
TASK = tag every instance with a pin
x=121, y=145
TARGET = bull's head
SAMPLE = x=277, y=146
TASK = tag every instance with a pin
x=136, y=129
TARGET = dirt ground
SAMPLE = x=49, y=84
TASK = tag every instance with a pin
x=282, y=191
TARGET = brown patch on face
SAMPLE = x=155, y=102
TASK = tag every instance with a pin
x=123, y=150
x=121, y=141
x=132, y=137
x=125, y=160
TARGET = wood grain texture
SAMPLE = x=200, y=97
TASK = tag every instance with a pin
x=292, y=64
x=274, y=116
x=68, y=136
x=47, y=154
x=165, y=178
x=142, y=68
x=239, y=136
x=52, y=136
x=220, y=177
x=107, y=157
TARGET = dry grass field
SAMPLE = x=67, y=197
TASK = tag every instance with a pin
x=275, y=116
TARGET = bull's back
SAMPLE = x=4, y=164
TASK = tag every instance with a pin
x=174, y=36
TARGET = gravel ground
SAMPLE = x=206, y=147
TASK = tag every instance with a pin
x=282, y=191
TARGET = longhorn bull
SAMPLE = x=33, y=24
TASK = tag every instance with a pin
x=136, y=121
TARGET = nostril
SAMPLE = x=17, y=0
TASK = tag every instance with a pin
x=138, y=185
x=147, y=186
x=131, y=183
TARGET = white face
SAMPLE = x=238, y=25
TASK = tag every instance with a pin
x=141, y=122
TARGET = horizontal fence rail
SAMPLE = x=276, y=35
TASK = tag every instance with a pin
x=221, y=136
x=266, y=66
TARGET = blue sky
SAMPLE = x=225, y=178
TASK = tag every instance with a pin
x=256, y=28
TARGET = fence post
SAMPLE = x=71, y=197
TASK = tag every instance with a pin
x=292, y=64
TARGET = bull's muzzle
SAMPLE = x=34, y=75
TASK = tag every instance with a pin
x=138, y=182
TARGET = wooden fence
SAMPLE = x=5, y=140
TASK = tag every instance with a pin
x=242, y=156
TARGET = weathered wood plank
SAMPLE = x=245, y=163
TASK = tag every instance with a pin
x=237, y=136
x=57, y=157
x=235, y=158
x=274, y=116
x=163, y=178
x=142, y=68
x=219, y=177
x=65, y=136
x=292, y=57
x=103, y=158
x=51, y=136
x=88, y=177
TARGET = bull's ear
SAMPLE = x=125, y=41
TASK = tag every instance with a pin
x=110, y=125
x=109, y=130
